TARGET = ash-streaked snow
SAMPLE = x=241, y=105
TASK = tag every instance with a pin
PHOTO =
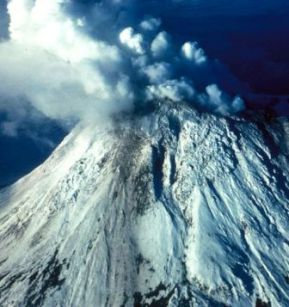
x=163, y=194
x=172, y=208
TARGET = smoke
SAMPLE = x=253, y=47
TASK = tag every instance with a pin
x=88, y=60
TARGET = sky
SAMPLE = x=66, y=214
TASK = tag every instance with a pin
x=66, y=61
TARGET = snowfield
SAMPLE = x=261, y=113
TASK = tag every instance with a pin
x=172, y=208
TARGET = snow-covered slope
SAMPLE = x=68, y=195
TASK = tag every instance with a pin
x=173, y=208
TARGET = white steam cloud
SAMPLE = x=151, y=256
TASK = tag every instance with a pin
x=67, y=65
x=54, y=64
x=192, y=52
x=134, y=41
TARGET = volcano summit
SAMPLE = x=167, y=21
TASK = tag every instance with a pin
x=169, y=208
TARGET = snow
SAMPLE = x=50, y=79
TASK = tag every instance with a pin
x=175, y=206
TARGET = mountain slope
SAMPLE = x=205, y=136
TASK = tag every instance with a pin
x=170, y=208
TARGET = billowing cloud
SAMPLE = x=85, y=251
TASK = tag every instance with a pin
x=160, y=46
x=71, y=62
x=55, y=65
x=134, y=41
x=175, y=90
x=219, y=102
x=150, y=24
x=158, y=72
x=192, y=52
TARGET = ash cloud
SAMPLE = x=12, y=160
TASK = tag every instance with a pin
x=72, y=60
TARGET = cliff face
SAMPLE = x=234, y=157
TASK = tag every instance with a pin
x=170, y=208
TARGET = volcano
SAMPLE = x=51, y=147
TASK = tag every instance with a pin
x=173, y=207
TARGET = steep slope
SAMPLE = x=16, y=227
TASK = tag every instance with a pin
x=171, y=208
